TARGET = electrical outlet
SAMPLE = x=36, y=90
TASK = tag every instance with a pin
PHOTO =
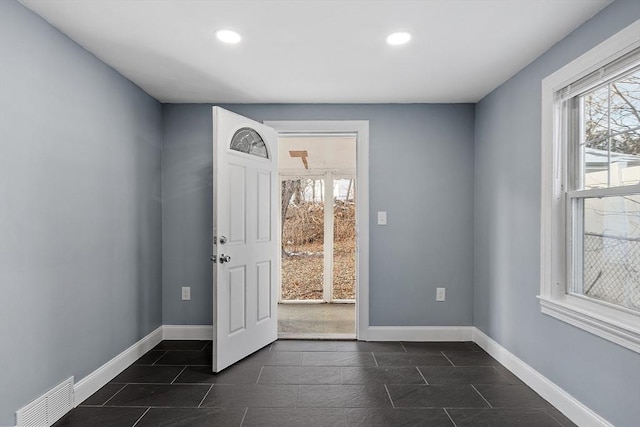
x=440, y=294
x=186, y=293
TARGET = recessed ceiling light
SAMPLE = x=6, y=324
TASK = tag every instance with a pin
x=228, y=36
x=399, y=38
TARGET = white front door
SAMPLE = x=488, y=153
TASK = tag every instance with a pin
x=245, y=240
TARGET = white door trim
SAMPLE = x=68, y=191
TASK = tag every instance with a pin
x=361, y=129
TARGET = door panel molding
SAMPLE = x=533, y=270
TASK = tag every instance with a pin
x=264, y=290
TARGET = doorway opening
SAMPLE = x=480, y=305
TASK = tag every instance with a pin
x=356, y=132
x=318, y=236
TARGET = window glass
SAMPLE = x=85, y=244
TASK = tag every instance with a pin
x=625, y=102
x=610, y=267
x=247, y=140
x=611, y=133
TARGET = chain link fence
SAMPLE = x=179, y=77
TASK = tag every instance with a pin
x=612, y=269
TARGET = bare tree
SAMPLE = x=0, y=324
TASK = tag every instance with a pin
x=290, y=187
x=349, y=189
x=612, y=116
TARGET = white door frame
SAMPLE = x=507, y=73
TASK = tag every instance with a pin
x=361, y=129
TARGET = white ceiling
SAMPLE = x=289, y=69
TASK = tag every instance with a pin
x=324, y=154
x=317, y=51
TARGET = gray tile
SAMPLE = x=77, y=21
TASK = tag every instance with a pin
x=368, y=346
x=192, y=417
x=148, y=374
x=511, y=396
x=381, y=375
x=100, y=417
x=338, y=358
x=273, y=358
x=559, y=417
x=398, y=417
x=252, y=395
x=300, y=375
x=343, y=396
x=437, y=347
x=159, y=395
x=236, y=374
x=181, y=345
x=502, y=418
x=102, y=395
x=304, y=345
x=471, y=358
x=463, y=375
x=150, y=357
x=435, y=396
x=185, y=357
x=410, y=359
x=474, y=346
x=319, y=383
x=513, y=379
x=299, y=417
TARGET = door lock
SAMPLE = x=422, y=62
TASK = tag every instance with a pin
x=223, y=240
x=224, y=258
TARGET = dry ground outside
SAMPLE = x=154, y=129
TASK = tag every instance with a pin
x=302, y=272
x=303, y=263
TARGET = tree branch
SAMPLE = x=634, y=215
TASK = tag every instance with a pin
x=626, y=101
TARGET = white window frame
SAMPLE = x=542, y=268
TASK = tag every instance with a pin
x=608, y=321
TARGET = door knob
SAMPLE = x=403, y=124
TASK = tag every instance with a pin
x=224, y=258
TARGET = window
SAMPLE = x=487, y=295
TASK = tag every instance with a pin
x=247, y=140
x=590, y=247
x=601, y=125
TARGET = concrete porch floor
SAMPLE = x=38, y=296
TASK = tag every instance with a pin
x=316, y=321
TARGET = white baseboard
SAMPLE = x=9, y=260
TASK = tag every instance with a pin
x=563, y=401
x=420, y=333
x=101, y=376
x=187, y=332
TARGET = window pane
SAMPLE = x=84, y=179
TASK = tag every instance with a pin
x=625, y=159
x=610, y=133
x=596, y=118
x=625, y=103
x=596, y=168
x=344, y=239
x=247, y=140
x=611, y=257
x=302, y=239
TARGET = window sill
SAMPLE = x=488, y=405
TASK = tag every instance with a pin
x=613, y=325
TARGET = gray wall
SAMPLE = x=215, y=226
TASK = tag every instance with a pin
x=421, y=173
x=602, y=375
x=80, y=217
x=85, y=244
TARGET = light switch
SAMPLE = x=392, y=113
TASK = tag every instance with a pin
x=382, y=218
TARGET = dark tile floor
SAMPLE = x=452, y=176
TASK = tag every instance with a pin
x=318, y=383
